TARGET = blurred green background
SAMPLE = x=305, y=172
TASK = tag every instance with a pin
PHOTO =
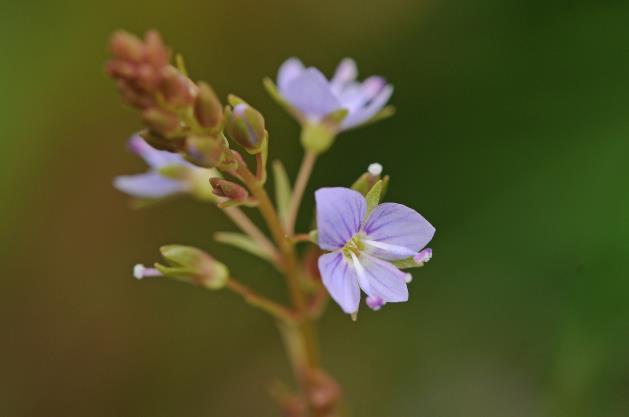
x=512, y=138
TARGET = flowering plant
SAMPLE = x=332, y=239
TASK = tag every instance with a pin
x=358, y=243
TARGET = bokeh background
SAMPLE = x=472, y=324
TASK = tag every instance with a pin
x=511, y=137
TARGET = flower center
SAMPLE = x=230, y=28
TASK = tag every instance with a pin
x=354, y=245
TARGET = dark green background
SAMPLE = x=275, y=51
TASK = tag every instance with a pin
x=512, y=138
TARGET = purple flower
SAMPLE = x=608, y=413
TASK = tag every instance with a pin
x=363, y=246
x=154, y=184
x=313, y=96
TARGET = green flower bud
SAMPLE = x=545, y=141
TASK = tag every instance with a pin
x=205, y=151
x=207, y=107
x=245, y=125
x=192, y=265
x=160, y=121
x=176, y=87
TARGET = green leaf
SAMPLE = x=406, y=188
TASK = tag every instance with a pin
x=242, y=242
x=373, y=196
x=283, y=190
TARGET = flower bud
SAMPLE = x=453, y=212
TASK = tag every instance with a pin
x=228, y=189
x=160, y=121
x=194, y=266
x=205, y=151
x=155, y=52
x=245, y=125
x=176, y=87
x=207, y=107
x=126, y=46
x=367, y=180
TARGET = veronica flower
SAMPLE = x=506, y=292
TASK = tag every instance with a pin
x=364, y=246
x=314, y=97
x=169, y=174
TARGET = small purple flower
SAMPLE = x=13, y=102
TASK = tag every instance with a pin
x=313, y=96
x=364, y=245
x=154, y=184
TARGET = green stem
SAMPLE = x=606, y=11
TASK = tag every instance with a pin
x=277, y=310
x=305, y=170
x=303, y=332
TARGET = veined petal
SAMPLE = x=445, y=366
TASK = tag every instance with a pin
x=340, y=280
x=148, y=185
x=380, y=279
x=311, y=94
x=340, y=212
x=346, y=72
x=365, y=113
x=154, y=157
x=394, y=226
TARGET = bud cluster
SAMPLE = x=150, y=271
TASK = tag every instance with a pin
x=181, y=116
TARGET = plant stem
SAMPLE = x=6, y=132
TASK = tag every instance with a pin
x=278, y=311
x=304, y=339
x=247, y=226
x=307, y=164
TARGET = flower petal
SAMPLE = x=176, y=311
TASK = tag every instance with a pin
x=340, y=280
x=399, y=231
x=365, y=113
x=148, y=185
x=340, y=212
x=346, y=72
x=289, y=70
x=154, y=157
x=311, y=94
x=380, y=279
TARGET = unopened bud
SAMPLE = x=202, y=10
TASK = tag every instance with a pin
x=194, y=266
x=207, y=107
x=245, y=125
x=155, y=52
x=205, y=151
x=176, y=87
x=367, y=180
x=160, y=121
x=126, y=46
x=228, y=189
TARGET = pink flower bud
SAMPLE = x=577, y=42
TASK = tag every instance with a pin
x=228, y=189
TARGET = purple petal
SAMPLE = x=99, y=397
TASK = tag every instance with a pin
x=363, y=114
x=340, y=280
x=340, y=212
x=153, y=157
x=398, y=231
x=380, y=279
x=356, y=95
x=345, y=73
x=148, y=185
x=289, y=70
x=311, y=94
